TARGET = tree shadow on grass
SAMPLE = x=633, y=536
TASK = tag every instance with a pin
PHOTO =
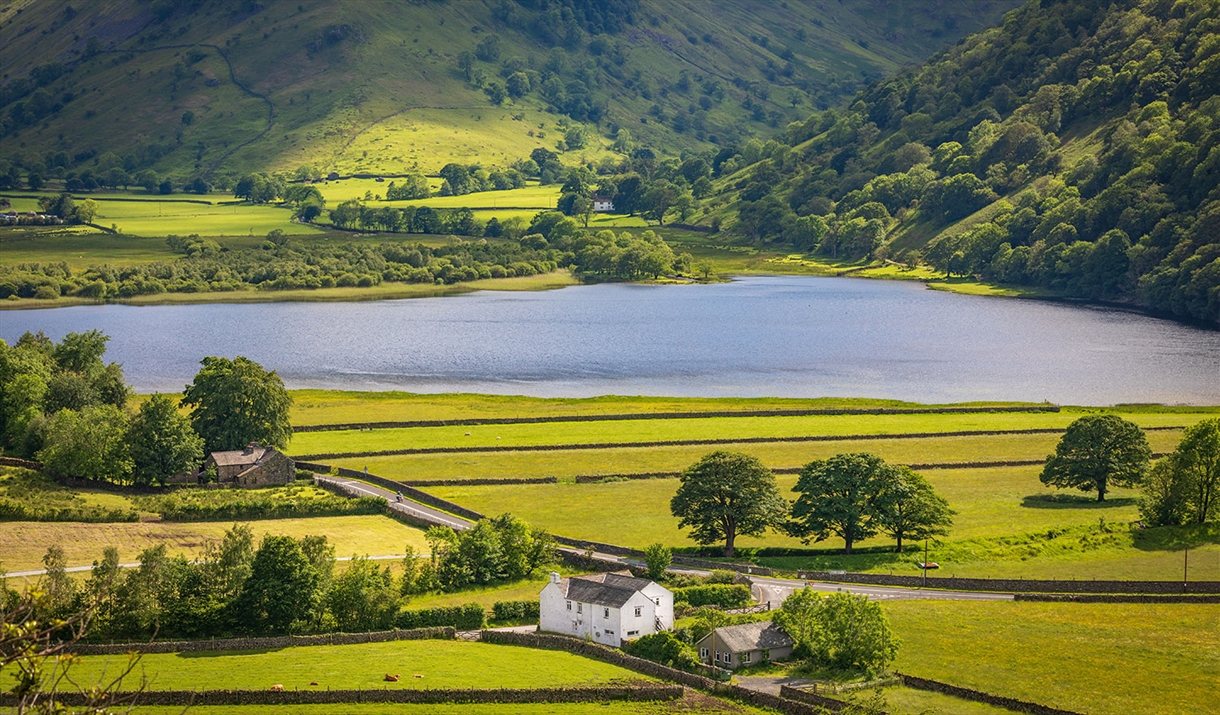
x=1176, y=538
x=225, y=653
x=1074, y=501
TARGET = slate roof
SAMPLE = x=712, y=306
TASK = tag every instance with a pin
x=251, y=455
x=753, y=636
x=603, y=589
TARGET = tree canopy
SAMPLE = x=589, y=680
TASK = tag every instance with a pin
x=1098, y=452
x=1184, y=486
x=725, y=495
x=236, y=402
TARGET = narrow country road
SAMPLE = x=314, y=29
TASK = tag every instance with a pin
x=406, y=506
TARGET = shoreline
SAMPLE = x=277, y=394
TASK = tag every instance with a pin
x=564, y=279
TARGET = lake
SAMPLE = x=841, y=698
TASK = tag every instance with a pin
x=756, y=336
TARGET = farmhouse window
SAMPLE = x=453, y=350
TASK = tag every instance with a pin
x=702, y=653
x=580, y=608
x=632, y=633
x=745, y=658
x=605, y=613
x=569, y=605
x=638, y=610
x=609, y=632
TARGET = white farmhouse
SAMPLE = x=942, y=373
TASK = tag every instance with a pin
x=608, y=608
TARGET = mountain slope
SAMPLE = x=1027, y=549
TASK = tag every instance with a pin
x=218, y=88
x=1075, y=148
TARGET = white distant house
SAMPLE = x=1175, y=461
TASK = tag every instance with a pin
x=608, y=608
x=602, y=203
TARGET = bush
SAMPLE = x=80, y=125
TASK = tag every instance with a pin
x=515, y=610
x=663, y=648
x=717, y=594
x=275, y=503
x=468, y=617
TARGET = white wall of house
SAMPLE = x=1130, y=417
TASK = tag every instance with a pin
x=607, y=625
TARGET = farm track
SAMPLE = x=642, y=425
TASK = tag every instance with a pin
x=493, y=449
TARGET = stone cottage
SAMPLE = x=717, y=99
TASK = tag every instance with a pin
x=733, y=647
x=254, y=466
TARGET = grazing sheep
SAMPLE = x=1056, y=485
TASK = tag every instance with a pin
x=418, y=675
x=313, y=682
x=278, y=688
x=391, y=678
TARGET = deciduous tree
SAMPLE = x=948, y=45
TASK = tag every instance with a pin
x=161, y=442
x=726, y=495
x=907, y=507
x=835, y=498
x=1096, y=453
x=235, y=402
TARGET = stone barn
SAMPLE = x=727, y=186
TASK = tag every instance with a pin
x=254, y=466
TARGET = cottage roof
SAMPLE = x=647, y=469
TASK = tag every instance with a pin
x=603, y=589
x=753, y=636
x=251, y=455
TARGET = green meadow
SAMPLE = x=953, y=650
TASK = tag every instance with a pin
x=161, y=218
x=692, y=702
x=1108, y=659
x=443, y=664
x=725, y=428
x=566, y=464
x=23, y=543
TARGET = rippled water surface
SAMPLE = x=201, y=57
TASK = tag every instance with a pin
x=783, y=336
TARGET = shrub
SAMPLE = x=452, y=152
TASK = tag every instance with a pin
x=515, y=610
x=663, y=648
x=716, y=594
x=274, y=503
x=468, y=617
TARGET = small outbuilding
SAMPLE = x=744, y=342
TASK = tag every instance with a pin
x=607, y=608
x=254, y=466
x=733, y=647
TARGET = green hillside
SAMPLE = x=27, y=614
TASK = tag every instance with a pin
x=1075, y=148
x=219, y=88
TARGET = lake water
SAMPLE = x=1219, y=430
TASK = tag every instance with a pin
x=756, y=336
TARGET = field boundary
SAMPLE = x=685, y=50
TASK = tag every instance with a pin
x=1115, y=598
x=640, y=692
x=268, y=642
x=1004, y=585
x=587, y=649
x=979, y=696
x=809, y=412
x=580, y=446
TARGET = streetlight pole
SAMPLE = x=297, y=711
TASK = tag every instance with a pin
x=925, y=563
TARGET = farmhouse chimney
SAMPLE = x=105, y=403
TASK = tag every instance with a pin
x=554, y=577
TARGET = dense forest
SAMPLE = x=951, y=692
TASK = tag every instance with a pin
x=1075, y=148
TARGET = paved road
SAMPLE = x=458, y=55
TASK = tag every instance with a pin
x=776, y=590
x=406, y=506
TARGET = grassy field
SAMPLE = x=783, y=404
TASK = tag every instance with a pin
x=161, y=218
x=1068, y=655
x=1008, y=525
x=724, y=428
x=566, y=464
x=692, y=702
x=23, y=544
x=320, y=407
x=443, y=664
